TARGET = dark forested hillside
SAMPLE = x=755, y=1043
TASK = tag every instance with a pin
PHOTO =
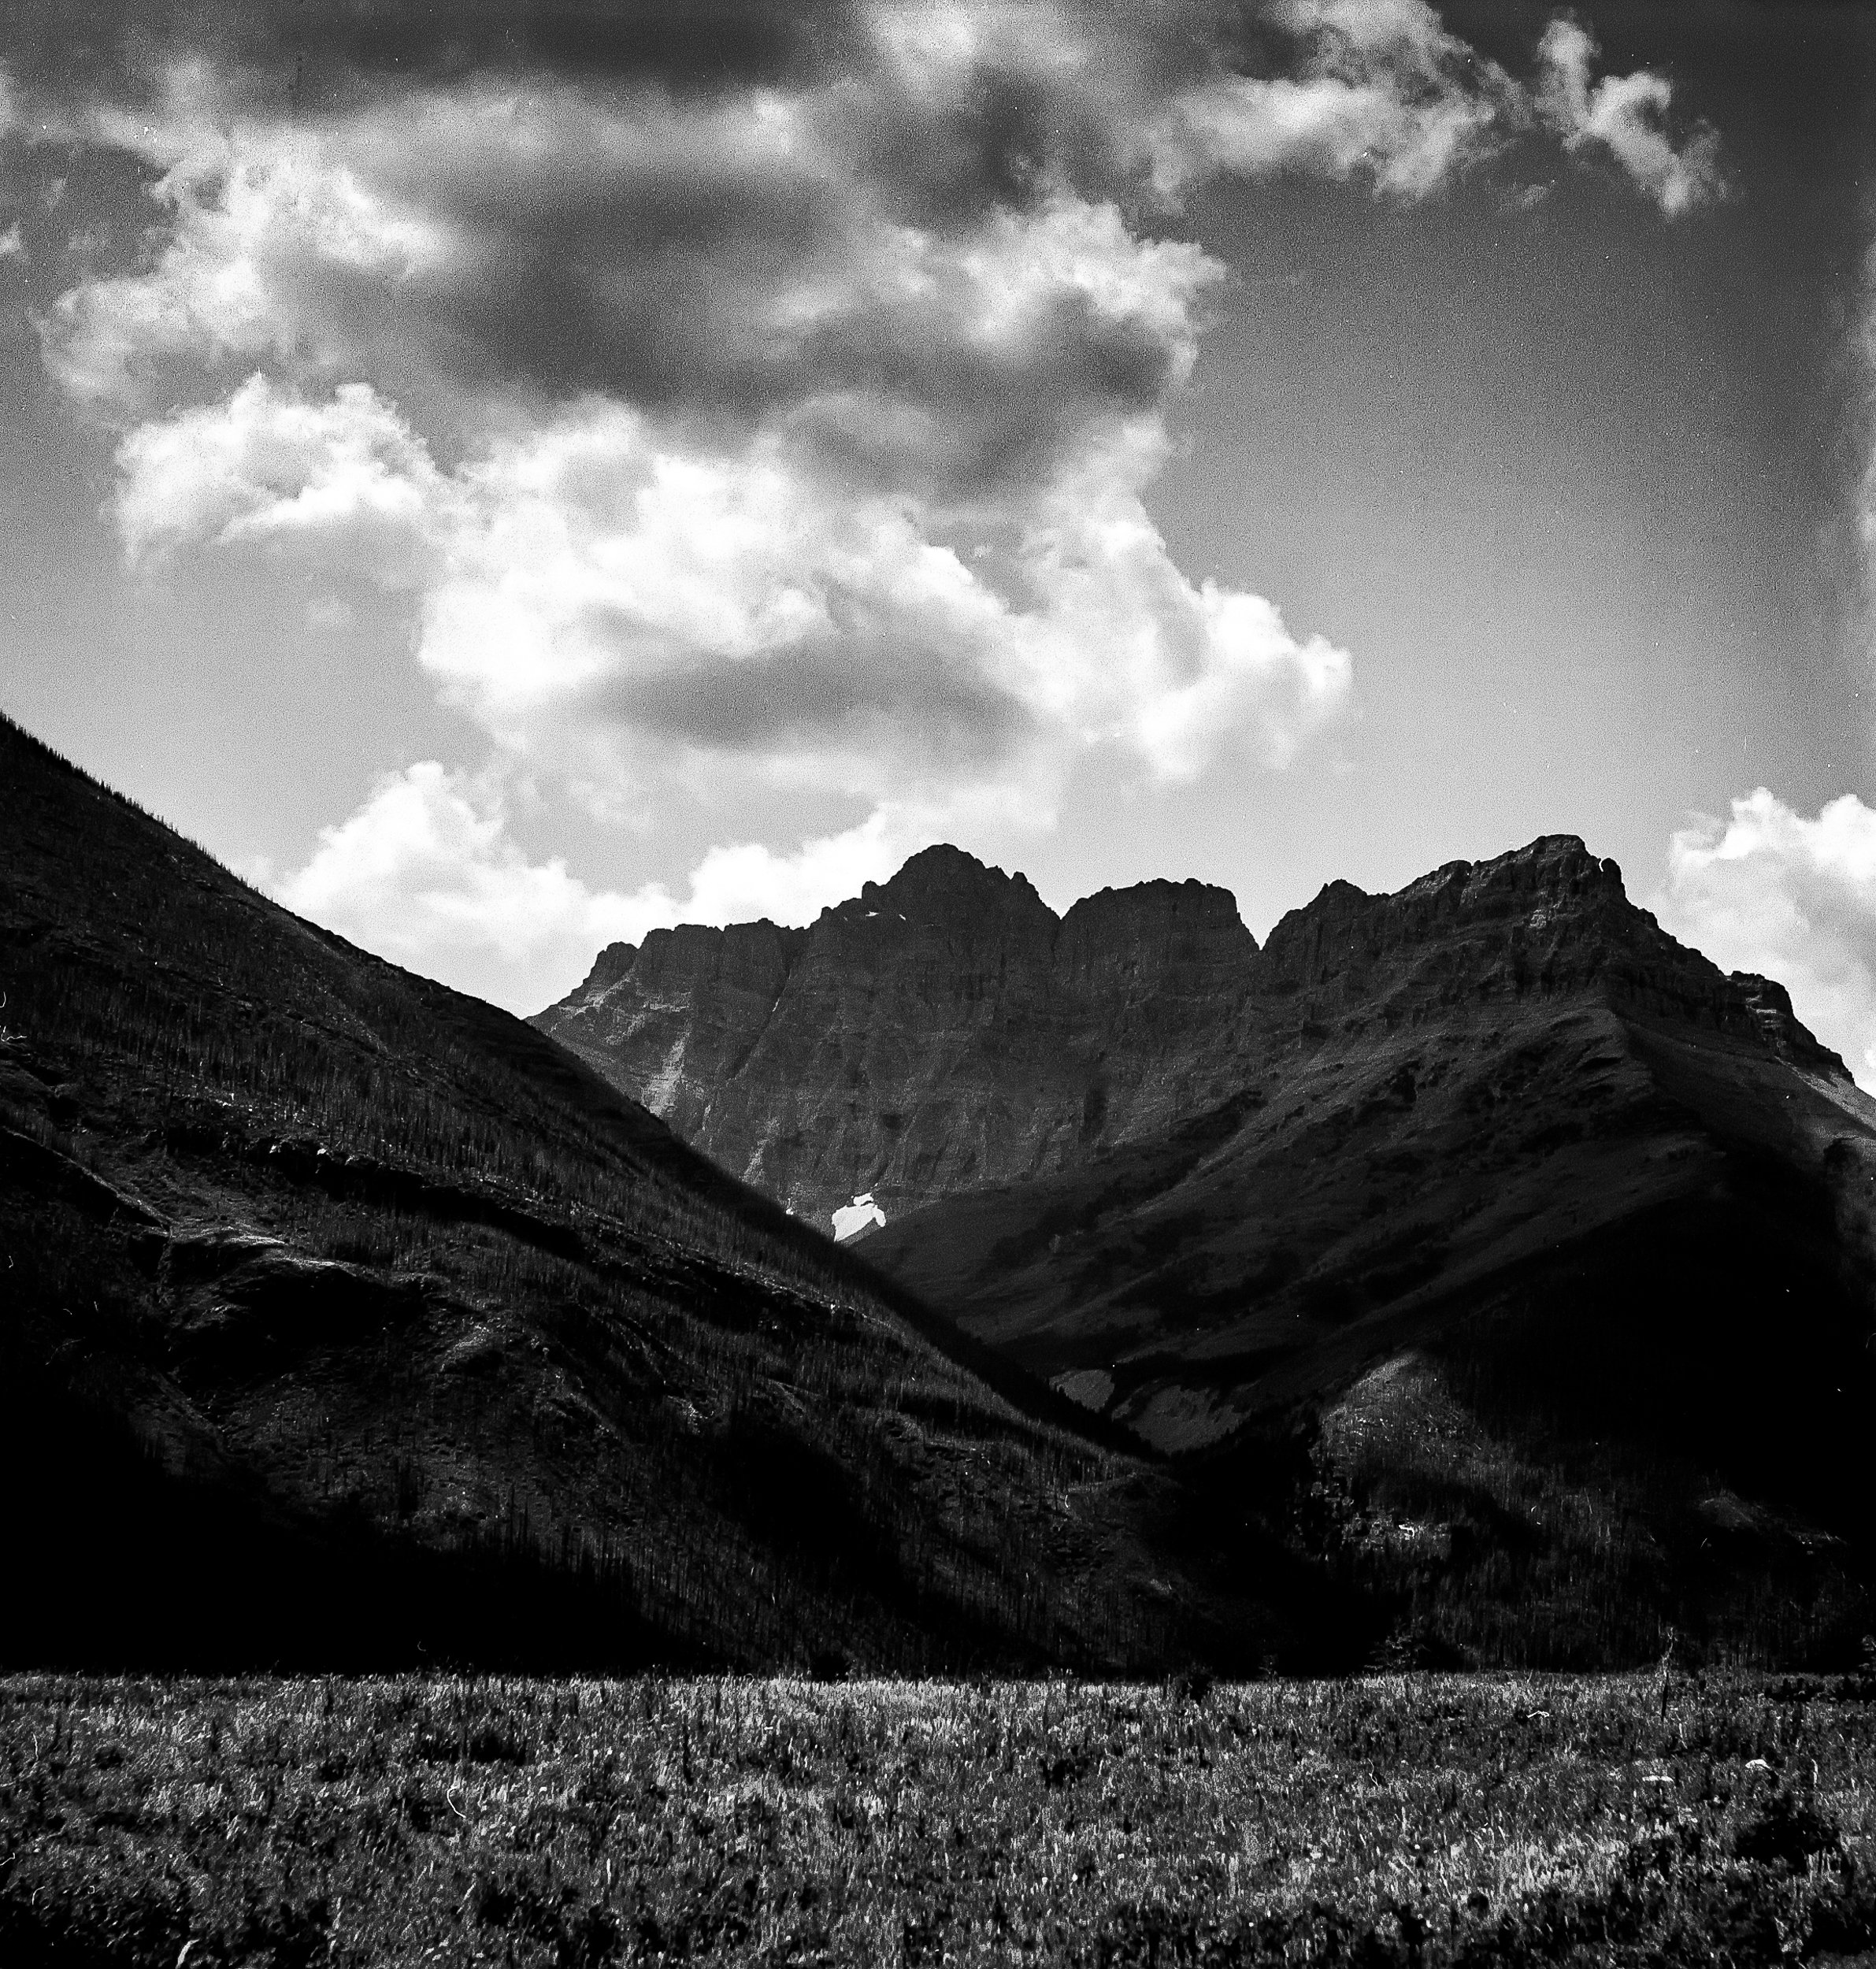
x=348, y=1320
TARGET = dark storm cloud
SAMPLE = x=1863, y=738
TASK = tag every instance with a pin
x=700, y=208
x=320, y=54
x=862, y=674
x=900, y=392
x=895, y=262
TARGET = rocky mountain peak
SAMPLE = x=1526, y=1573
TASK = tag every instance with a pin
x=1546, y=910
x=944, y=884
x=1185, y=936
x=610, y=966
x=744, y=957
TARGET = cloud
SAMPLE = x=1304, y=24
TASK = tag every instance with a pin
x=586, y=585
x=1770, y=891
x=743, y=883
x=1627, y=116
x=586, y=224
x=12, y=242
x=346, y=478
x=269, y=247
x=768, y=395
x=1380, y=87
x=426, y=874
x=927, y=562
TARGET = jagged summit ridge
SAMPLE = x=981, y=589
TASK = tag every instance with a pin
x=942, y=886
x=946, y=1029
x=939, y=880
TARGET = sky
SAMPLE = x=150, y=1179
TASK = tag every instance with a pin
x=504, y=478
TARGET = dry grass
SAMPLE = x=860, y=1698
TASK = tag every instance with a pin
x=1422, y=1819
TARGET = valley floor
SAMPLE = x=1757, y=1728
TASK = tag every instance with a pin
x=1419, y=1820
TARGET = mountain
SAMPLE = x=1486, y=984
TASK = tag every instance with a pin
x=941, y=1032
x=1553, y=1240
x=347, y=1321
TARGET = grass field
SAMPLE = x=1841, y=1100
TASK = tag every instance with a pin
x=1419, y=1820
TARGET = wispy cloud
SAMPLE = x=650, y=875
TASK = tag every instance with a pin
x=1626, y=115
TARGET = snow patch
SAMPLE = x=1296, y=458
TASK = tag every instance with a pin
x=861, y=1214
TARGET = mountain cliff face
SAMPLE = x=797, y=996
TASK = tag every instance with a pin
x=1547, y=919
x=1426, y=1092
x=940, y=1031
x=1555, y=1239
x=946, y=1033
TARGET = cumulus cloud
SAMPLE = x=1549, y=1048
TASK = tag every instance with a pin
x=427, y=874
x=767, y=391
x=1770, y=891
x=861, y=589
x=747, y=248
x=750, y=880
x=344, y=478
x=1627, y=116
x=269, y=245
x=582, y=582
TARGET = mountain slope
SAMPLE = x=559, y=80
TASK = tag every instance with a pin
x=1488, y=1175
x=347, y=1320
x=1432, y=1088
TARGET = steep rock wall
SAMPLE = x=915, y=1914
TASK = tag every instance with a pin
x=939, y=1031
x=945, y=1031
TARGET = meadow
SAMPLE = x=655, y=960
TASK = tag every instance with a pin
x=1388, y=1819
